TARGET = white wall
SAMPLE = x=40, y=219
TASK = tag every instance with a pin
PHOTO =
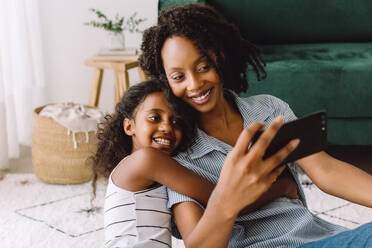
x=67, y=42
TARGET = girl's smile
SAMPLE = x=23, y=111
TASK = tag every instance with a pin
x=154, y=125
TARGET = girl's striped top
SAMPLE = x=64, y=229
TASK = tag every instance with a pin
x=136, y=219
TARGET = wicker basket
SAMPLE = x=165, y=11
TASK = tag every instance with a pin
x=54, y=159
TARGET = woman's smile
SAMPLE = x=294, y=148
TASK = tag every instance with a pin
x=201, y=98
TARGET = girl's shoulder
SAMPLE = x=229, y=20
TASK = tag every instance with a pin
x=132, y=172
x=138, y=159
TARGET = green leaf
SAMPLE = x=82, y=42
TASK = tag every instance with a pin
x=118, y=24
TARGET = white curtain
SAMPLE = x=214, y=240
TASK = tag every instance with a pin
x=22, y=85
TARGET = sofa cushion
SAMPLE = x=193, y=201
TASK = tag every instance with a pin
x=350, y=131
x=336, y=77
x=163, y=4
x=293, y=21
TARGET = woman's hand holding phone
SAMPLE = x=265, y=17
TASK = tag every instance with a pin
x=245, y=175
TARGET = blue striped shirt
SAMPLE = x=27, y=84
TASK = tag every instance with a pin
x=281, y=223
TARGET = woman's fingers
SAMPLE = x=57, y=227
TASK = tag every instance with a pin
x=275, y=174
x=259, y=148
x=244, y=139
x=280, y=155
x=244, y=174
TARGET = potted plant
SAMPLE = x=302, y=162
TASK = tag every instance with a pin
x=116, y=27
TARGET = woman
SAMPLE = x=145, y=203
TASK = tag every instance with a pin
x=204, y=59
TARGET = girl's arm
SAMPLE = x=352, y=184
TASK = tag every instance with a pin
x=146, y=166
x=338, y=178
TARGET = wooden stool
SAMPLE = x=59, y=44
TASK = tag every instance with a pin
x=120, y=65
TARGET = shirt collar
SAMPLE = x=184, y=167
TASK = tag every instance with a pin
x=251, y=110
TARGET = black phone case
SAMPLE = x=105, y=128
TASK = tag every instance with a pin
x=310, y=129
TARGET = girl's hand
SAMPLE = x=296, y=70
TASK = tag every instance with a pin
x=288, y=184
x=245, y=176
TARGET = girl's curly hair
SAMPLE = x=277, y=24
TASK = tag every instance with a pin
x=212, y=35
x=114, y=144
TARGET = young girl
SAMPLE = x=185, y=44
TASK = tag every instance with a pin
x=135, y=212
x=204, y=60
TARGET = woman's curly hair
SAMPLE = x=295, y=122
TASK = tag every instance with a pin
x=212, y=35
x=114, y=144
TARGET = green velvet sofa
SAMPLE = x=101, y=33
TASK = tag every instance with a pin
x=318, y=55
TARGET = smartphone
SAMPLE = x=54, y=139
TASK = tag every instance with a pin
x=310, y=129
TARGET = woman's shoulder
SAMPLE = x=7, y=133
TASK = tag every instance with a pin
x=268, y=105
x=265, y=102
x=264, y=99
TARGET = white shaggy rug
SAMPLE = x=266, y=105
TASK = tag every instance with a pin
x=35, y=214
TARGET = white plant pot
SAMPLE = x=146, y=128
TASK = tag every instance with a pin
x=116, y=41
